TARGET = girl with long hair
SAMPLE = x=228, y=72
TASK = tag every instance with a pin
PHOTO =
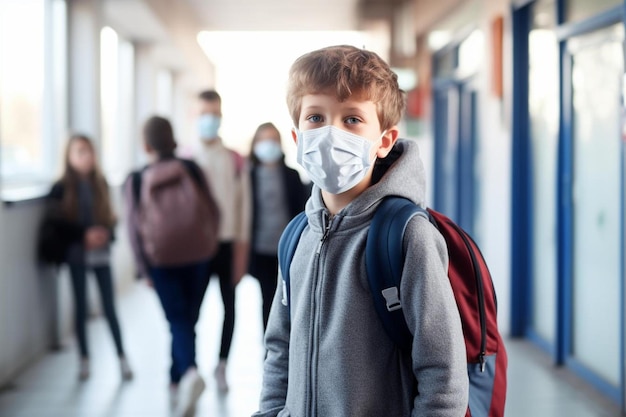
x=80, y=210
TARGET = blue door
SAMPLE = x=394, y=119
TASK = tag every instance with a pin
x=455, y=151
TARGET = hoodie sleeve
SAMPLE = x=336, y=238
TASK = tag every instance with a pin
x=276, y=365
x=438, y=352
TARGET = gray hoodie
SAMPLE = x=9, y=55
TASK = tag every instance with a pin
x=332, y=358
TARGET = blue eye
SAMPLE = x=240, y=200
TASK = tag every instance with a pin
x=314, y=118
x=352, y=120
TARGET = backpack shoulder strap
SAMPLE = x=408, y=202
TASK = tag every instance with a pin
x=136, y=179
x=239, y=162
x=384, y=261
x=195, y=171
x=286, y=248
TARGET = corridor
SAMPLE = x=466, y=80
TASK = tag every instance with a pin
x=49, y=388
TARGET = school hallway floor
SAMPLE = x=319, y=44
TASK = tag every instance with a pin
x=49, y=387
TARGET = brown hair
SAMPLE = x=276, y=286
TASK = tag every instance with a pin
x=210, y=95
x=257, y=136
x=159, y=135
x=103, y=212
x=345, y=71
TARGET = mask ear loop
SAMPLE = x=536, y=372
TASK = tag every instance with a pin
x=375, y=153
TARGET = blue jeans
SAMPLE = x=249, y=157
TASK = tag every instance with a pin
x=181, y=290
x=78, y=273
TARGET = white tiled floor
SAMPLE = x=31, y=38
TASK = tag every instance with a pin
x=49, y=388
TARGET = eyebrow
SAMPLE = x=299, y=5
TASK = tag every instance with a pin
x=349, y=109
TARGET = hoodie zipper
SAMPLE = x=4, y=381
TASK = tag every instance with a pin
x=314, y=334
x=329, y=221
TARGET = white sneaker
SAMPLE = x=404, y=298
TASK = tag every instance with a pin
x=83, y=370
x=220, y=376
x=127, y=373
x=189, y=390
x=173, y=394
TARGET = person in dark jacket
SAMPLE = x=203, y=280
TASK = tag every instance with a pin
x=278, y=195
x=78, y=230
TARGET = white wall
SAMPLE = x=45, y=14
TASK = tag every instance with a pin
x=36, y=306
x=27, y=294
x=493, y=163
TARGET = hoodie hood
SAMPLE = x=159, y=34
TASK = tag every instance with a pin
x=400, y=174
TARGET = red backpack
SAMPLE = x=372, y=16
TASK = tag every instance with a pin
x=178, y=217
x=471, y=284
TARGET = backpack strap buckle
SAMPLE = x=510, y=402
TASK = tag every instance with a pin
x=285, y=300
x=392, y=298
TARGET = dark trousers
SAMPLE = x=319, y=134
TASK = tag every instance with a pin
x=181, y=290
x=222, y=266
x=78, y=273
x=266, y=272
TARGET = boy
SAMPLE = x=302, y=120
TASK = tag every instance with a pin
x=230, y=181
x=327, y=352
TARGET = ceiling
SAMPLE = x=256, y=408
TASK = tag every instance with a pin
x=170, y=28
x=277, y=15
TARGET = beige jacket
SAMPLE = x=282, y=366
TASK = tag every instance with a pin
x=229, y=178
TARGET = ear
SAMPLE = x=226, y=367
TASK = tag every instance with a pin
x=294, y=135
x=388, y=140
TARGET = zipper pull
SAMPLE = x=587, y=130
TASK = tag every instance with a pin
x=328, y=221
x=327, y=229
x=481, y=359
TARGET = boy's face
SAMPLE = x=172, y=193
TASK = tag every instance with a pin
x=355, y=115
x=213, y=107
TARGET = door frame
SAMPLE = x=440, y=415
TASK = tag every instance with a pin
x=466, y=150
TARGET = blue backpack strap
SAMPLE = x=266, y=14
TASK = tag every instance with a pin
x=384, y=261
x=286, y=249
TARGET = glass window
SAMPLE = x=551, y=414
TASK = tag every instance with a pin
x=109, y=96
x=117, y=86
x=22, y=71
x=543, y=106
x=582, y=9
x=598, y=67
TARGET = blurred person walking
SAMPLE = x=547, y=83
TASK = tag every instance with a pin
x=78, y=229
x=278, y=195
x=227, y=172
x=173, y=223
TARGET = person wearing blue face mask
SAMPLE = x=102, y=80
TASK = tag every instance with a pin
x=278, y=195
x=227, y=174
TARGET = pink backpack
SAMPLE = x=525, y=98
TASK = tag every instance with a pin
x=178, y=217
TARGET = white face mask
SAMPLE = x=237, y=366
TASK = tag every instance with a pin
x=334, y=159
x=208, y=126
x=268, y=151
